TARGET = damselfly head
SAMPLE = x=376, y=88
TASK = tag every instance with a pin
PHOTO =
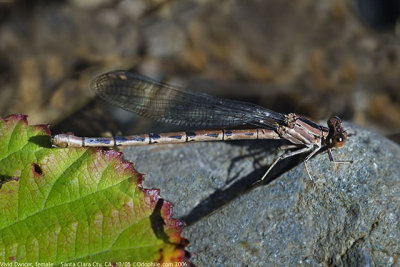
x=337, y=135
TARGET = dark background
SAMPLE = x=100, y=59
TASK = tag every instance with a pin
x=316, y=58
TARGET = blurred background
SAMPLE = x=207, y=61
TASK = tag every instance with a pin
x=315, y=58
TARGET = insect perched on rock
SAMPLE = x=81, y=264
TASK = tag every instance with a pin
x=166, y=103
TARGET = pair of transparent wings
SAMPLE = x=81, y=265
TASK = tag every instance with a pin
x=166, y=103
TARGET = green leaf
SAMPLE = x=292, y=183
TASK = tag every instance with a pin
x=77, y=205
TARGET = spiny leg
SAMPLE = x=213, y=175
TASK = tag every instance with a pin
x=330, y=158
x=308, y=157
x=337, y=161
x=284, y=156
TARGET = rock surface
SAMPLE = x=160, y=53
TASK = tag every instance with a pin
x=348, y=215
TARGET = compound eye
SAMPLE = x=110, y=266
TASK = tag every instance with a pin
x=339, y=140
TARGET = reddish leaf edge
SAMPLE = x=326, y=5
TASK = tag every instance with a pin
x=16, y=118
x=171, y=228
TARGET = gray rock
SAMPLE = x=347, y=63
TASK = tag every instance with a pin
x=348, y=215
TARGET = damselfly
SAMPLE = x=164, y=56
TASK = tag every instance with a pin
x=167, y=103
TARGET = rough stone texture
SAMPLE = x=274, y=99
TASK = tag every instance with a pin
x=348, y=216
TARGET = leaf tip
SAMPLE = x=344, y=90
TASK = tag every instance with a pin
x=43, y=128
x=153, y=194
x=16, y=118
